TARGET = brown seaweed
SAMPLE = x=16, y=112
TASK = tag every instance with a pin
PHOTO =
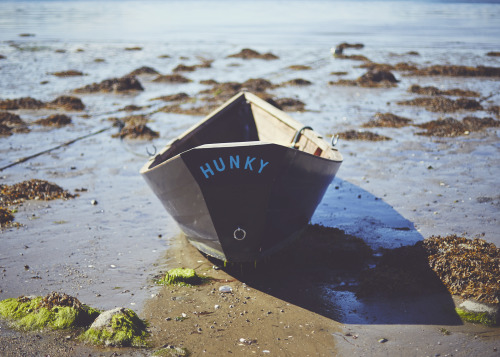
x=248, y=53
x=450, y=127
x=362, y=135
x=431, y=91
x=444, y=105
x=371, y=79
x=172, y=78
x=144, y=70
x=12, y=123
x=117, y=85
x=387, y=120
x=56, y=120
x=68, y=73
x=33, y=189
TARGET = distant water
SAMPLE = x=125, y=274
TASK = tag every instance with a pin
x=392, y=24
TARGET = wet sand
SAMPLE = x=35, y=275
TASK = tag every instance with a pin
x=107, y=245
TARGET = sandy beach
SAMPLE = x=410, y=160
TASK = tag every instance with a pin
x=420, y=160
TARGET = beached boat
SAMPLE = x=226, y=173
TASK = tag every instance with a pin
x=245, y=181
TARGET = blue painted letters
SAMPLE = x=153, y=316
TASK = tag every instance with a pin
x=219, y=164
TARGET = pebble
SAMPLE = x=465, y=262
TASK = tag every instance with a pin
x=382, y=340
x=226, y=289
x=93, y=202
x=217, y=307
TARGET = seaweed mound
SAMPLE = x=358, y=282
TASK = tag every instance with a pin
x=387, y=120
x=21, y=103
x=362, y=135
x=66, y=102
x=248, y=53
x=181, y=277
x=371, y=79
x=57, y=120
x=55, y=311
x=123, y=84
x=469, y=268
x=31, y=190
x=172, y=78
x=134, y=127
x=450, y=127
x=12, y=123
x=117, y=327
x=6, y=217
x=443, y=105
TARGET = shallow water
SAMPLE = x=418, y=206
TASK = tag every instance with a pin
x=385, y=192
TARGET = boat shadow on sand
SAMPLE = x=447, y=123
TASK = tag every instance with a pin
x=353, y=280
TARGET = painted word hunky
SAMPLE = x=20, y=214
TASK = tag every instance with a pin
x=233, y=163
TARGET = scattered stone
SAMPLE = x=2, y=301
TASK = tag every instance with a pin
x=387, y=120
x=93, y=202
x=383, y=340
x=143, y=71
x=443, y=104
x=56, y=120
x=248, y=53
x=172, y=78
x=99, y=60
x=431, y=91
x=2, y=57
x=493, y=54
x=135, y=48
x=117, y=327
x=68, y=73
x=225, y=289
x=114, y=85
x=338, y=73
x=362, y=135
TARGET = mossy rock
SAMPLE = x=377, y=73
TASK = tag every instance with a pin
x=181, y=277
x=483, y=318
x=117, y=327
x=28, y=313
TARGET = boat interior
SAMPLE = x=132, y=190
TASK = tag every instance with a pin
x=247, y=118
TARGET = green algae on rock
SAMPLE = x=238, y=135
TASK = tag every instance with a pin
x=171, y=351
x=117, y=327
x=483, y=318
x=34, y=313
x=181, y=277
